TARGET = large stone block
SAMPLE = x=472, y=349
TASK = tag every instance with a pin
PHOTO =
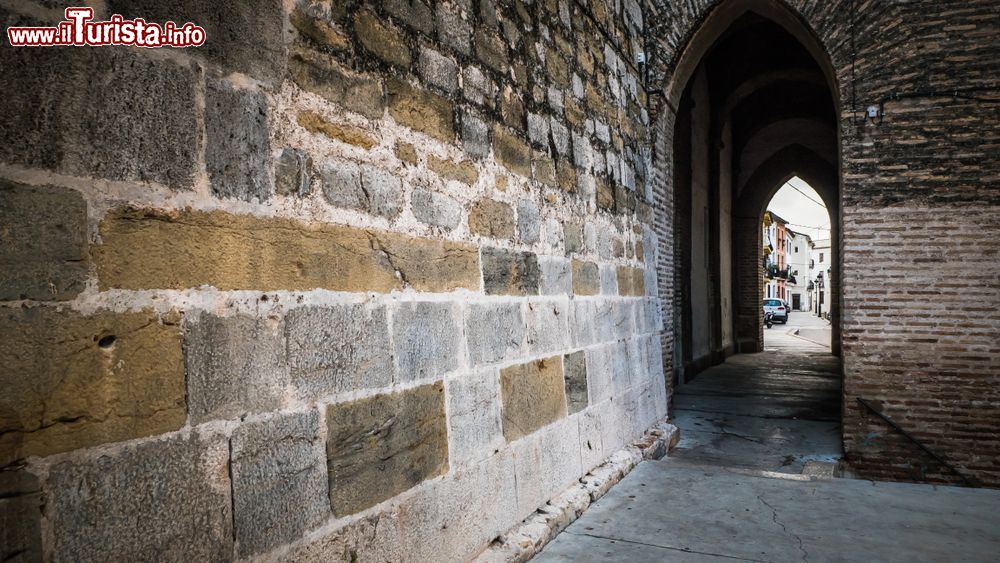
x=243, y=36
x=506, y=272
x=586, y=279
x=89, y=127
x=318, y=23
x=292, y=171
x=323, y=76
x=454, y=31
x=363, y=187
x=73, y=381
x=438, y=70
x=600, y=372
x=279, y=481
x=475, y=136
x=427, y=339
x=461, y=171
x=529, y=222
x=533, y=394
x=414, y=13
x=474, y=427
x=381, y=446
x=512, y=152
x=557, y=276
x=237, y=144
x=581, y=325
x=495, y=332
x=235, y=366
x=559, y=449
x=43, y=242
x=166, y=500
x=21, y=503
x=422, y=111
x=631, y=281
x=436, y=209
x=609, y=280
x=591, y=438
x=491, y=218
x=372, y=538
x=338, y=349
x=146, y=249
x=548, y=328
x=383, y=40
x=338, y=131
x=575, y=368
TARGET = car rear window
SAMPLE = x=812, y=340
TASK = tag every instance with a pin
x=772, y=302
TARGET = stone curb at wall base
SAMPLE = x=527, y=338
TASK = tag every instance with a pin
x=527, y=539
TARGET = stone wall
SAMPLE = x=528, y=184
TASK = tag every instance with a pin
x=920, y=203
x=355, y=280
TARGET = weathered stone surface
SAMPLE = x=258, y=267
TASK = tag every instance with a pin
x=243, y=36
x=234, y=365
x=605, y=195
x=478, y=88
x=495, y=332
x=88, y=127
x=586, y=280
x=462, y=171
x=436, y=209
x=363, y=187
x=43, y=242
x=474, y=428
x=609, y=279
x=279, y=481
x=512, y=109
x=382, y=39
x=237, y=144
x=323, y=76
x=491, y=218
x=313, y=21
x=600, y=372
x=491, y=51
x=414, y=13
x=529, y=222
x=173, y=494
x=422, y=111
x=538, y=129
x=21, y=504
x=291, y=173
x=631, y=281
x=338, y=349
x=381, y=446
x=557, y=276
x=506, y=272
x=453, y=30
x=371, y=538
x=534, y=395
x=475, y=136
x=581, y=325
x=73, y=381
x=573, y=237
x=512, y=152
x=575, y=368
x=406, y=152
x=438, y=70
x=547, y=326
x=545, y=170
x=316, y=123
x=427, y=340
x=146, y=249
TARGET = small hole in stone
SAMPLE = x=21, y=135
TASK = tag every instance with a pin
x=106, y=341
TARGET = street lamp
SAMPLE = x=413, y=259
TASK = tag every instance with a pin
x=819, y=302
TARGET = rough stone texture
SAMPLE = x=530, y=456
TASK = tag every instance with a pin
x=145, y=249
x=455, y=32
x=173, y=493
x=236, y=124
x=557, y=278
x=491, y=51
x=366, y=188
x=478, y=88
x=438, y=70
x=436, y=209
x=427, y=340
x=586, y=279
x=573, y=237
x=494, y=331
x=338, y=349
x=631, y=281
x=279, y=481
x=475, y=136
x=106, y=126
x=474, y=426
x=291, y=173
x=506, y=272
x=234, y=365
x=533, y=394
x=43, y=242
x=93, y=379
x=609, y=280
x=313, y=22
x=529, y=223
x=21, y=503
x=316, y=123
x=414, y=13
x=384, y=40
x=422, y=111
x=322, y=75
x=491, y=218
x=512, y=152
x=548, y=328
x=381, y=446
x=242, y=36
x=462, y=171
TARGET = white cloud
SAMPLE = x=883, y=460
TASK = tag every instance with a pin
x=802, y=208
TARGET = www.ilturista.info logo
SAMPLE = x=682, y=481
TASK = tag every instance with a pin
x=78, y=30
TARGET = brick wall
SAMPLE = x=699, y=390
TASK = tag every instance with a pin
x=921, y=310
x=352, y=281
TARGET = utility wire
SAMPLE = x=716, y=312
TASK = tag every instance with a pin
x=807, y=196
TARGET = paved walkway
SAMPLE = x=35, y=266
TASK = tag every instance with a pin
x=734, y=487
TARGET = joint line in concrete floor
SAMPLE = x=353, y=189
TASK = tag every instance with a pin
x=670, y=548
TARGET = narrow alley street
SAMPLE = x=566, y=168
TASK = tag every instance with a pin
x=752, y=478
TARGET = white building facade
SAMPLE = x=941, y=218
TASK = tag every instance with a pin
x=821, y=278
x=799, y=251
